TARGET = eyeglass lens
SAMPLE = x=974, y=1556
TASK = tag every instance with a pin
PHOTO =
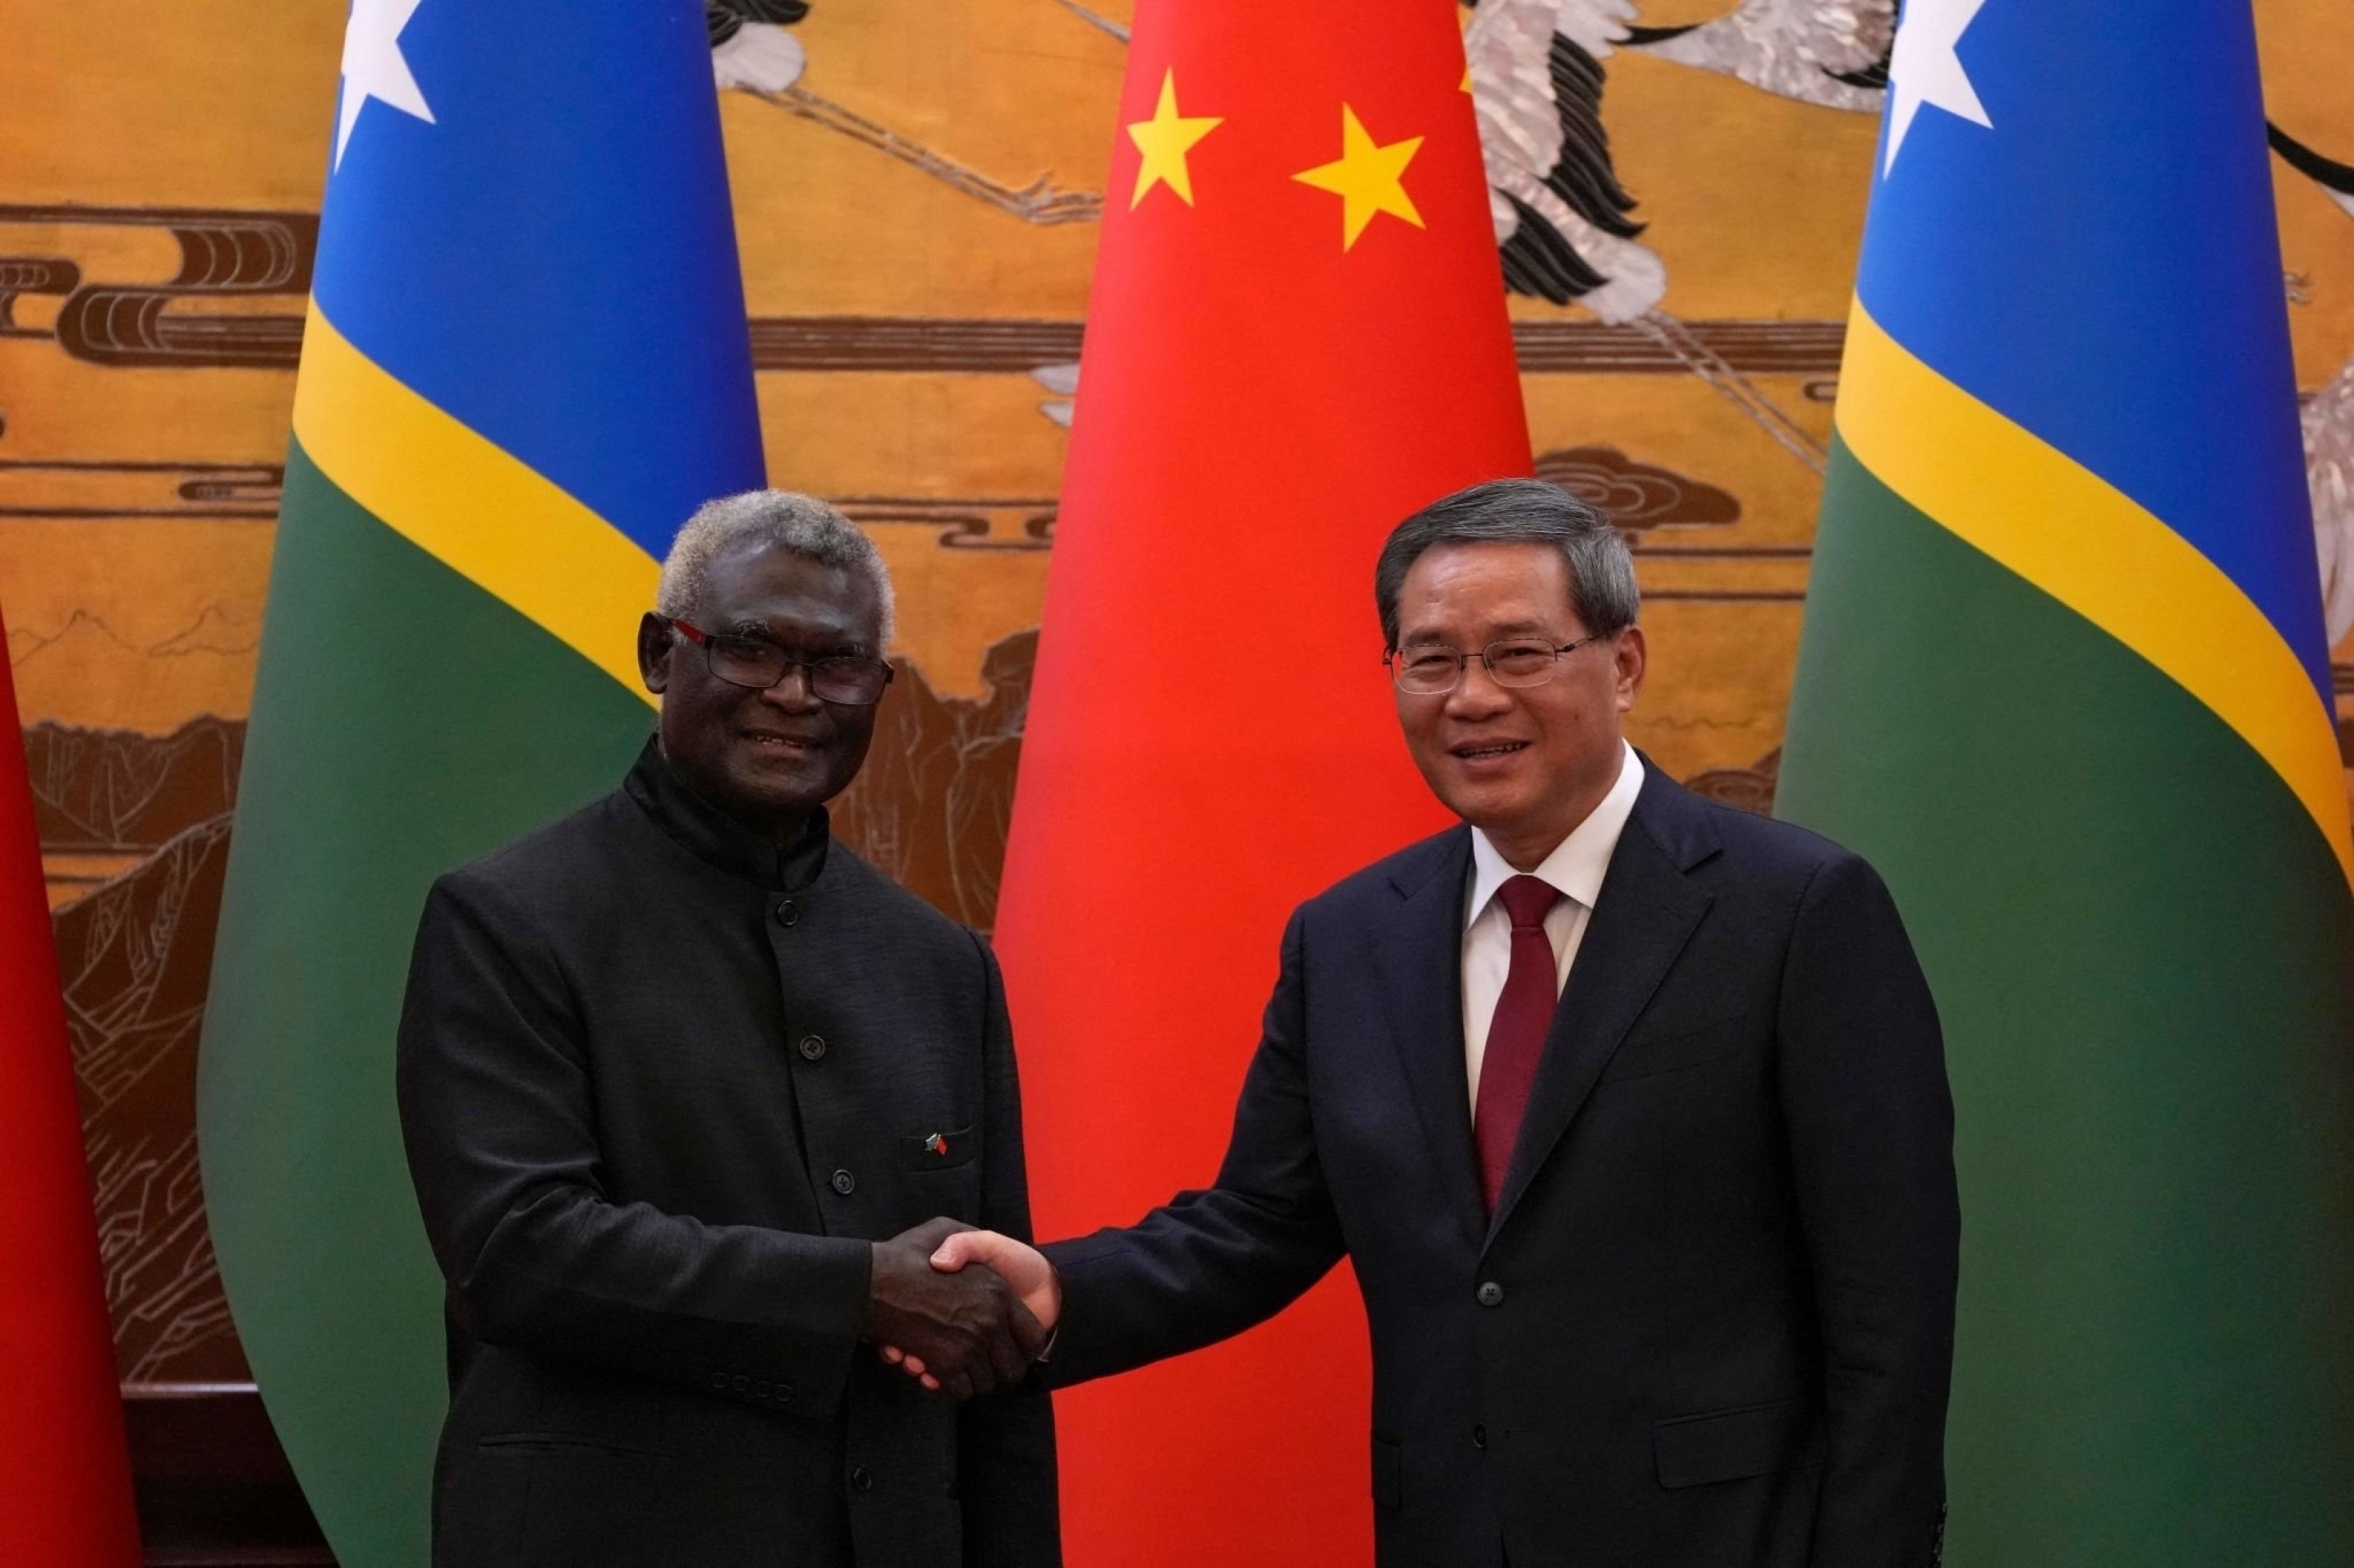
x=1430, y=671
x=840, y=678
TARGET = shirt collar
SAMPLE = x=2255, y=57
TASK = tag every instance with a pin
x=1577, y=865
x=719, y=839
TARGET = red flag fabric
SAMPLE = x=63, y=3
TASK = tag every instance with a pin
x=65, y=1476
x=1298, y=337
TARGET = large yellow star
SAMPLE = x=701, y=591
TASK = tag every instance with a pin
x=1367, y=179
x=1164, y=140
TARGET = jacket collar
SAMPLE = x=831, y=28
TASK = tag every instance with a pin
x=1420, y=974
x=1647, y=910
x=719, y=840
x=1578, y=864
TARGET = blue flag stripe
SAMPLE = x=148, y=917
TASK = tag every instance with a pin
x=552, y=258
x=2102, y=267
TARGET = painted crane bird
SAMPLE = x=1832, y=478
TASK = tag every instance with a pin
x=750, y=46
x=2330, y=421
x=1834, y=53
x=1565, y=223
x=1537, y=77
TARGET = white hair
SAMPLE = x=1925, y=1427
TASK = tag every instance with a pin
x=800, y=523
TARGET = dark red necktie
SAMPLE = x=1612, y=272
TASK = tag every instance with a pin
x=1517, y=1036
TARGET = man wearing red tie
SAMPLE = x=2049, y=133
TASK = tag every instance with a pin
x=1629, y=1109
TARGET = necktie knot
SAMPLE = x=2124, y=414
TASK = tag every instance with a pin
x=1528, y=900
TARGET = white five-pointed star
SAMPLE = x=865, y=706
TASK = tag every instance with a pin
x=374, y=66
x=1925, y=69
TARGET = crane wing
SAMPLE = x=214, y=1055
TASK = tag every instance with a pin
x=1833, y=53
x=1562, y=219
x=2330, y=477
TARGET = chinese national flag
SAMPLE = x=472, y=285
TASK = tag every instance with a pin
x=1297, y=337
x=65, y=1479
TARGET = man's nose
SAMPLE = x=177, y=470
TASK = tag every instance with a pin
x=1477, y=695
x=793, y=692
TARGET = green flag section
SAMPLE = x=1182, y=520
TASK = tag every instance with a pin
x=2140, y=950
x=526, y=364
x=396, y=733
x=2062, y=681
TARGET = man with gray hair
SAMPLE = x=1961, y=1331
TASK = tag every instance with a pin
x=684, y=1084
x=1629, y=1108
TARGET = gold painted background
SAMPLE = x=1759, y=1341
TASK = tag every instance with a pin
x=916, y=213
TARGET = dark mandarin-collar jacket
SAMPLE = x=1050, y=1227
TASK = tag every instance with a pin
x=661, y=1083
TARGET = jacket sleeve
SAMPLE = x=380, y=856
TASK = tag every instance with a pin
x=1005, y=1443
x=494, y=1097
x=1211, y=1263
x=1871, y=1128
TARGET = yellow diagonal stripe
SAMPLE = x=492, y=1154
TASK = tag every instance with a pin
x=472, y=505
x=2080, y=539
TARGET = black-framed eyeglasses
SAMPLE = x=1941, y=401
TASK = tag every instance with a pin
x=845, y=678
x=1515, y=662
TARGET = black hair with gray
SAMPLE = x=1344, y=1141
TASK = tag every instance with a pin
x=1519, y=511
x=800, y=523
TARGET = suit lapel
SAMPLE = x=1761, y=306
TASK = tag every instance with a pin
x=1419, y=956
x=1646, y=912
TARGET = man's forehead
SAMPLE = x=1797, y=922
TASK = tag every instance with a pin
x=755, y=564
x=1497, y=591
x=1492, y=629
x=796, y=620
x=1501, y=560
x=751, y=588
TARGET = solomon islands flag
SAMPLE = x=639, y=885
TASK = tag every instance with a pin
x=525, y=363
x=2062, y=679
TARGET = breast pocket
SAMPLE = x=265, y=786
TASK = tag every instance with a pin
x=939, y=1148
x=1672, y=1048
x=937, y=1171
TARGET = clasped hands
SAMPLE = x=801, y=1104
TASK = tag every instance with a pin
x=957, y=1330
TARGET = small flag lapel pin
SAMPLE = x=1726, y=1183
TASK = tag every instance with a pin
x=936, y=1144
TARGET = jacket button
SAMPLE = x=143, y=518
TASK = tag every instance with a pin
x=784, y=1393
x=743, y=1384
x=760, y=1389
x=719, y=1381
x=812, y=1048
x=788, y=913
x=860, y=1481
x=1478, y=1436
x=1490, y=1294
x=843, y=1182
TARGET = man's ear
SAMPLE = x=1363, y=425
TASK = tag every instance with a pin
x=654, y=641
x=1630, y=657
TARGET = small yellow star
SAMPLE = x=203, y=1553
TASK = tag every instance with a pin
x=1367, y=178
x=1164, y=140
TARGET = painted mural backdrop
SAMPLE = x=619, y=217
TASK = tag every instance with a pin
x=1676, y=188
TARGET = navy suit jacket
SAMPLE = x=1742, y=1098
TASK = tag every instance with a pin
x=1711, y=1319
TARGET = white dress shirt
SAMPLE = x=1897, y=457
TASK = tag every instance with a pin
x=1575, y=869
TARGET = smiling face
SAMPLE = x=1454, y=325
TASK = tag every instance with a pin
x=769, y=758
x=1524, y=765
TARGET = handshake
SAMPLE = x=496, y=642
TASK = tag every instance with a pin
x=957, y=1330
